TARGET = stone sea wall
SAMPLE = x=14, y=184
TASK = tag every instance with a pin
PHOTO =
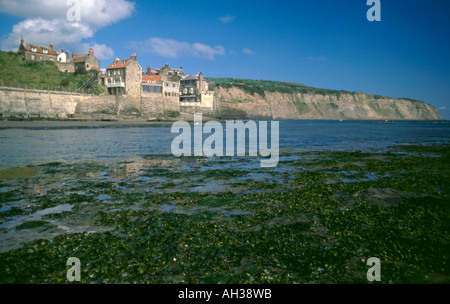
x=23, y=103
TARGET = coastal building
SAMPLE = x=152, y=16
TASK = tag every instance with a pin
x=124, y=76
x=194, y=89
x=62, y=56
x=34, y=52
x=164, y=87
x=171, y=89
x=163, y=82
x=151, y=86
x=170, y=74
x=86, y=61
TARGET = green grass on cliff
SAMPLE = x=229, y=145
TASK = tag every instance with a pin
x=261, y=86
x=16, y=72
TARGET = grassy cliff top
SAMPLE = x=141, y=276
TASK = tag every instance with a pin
x=262, y=86
x=15, y=71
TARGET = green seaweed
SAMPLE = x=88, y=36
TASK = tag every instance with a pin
x=305, y=226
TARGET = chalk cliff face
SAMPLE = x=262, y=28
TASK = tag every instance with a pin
x=235, y=103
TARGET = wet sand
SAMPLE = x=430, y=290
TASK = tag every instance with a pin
x=84, y=123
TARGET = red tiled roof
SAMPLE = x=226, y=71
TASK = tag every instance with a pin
x=151, y=78
x=119, y=64
x=77, y=59
x=152, y=73
x=95, y=68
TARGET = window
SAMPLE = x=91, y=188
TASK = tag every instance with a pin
x=40, y=57
x=153, y=89
x=33, y=57
x=51, y=58
x=45, y=51
x=118, y=72
x=33, y=49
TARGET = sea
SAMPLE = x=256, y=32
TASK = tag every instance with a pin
x=38, y=146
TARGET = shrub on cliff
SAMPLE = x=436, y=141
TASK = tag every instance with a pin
x=65, y=82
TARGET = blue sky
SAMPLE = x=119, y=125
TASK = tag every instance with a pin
x=321, y=43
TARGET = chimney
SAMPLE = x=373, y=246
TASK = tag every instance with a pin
x=149, y=71
x=74, y=54
x=21, y=40
x=67, y=55
x=91, y=52
x=133, y=56
x=200, y=80
x=51, y=45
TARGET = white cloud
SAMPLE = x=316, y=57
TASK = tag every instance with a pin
x=46, y=21
x=442, y=108
x=34, y=8
x=248, y=51
x=171, y=48
x=98, y=13
x=42, y=31
x=227, y=19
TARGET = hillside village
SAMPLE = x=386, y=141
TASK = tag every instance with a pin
x=124, y=90
x=127, y=77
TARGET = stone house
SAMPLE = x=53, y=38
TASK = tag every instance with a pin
x=34, y=52
x=124, y=76
x=170, y=78
x=170, y=74
x=192, y=87
x=86, y=61
x=163, y=82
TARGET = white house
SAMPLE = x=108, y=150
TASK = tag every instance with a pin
x=62, y=56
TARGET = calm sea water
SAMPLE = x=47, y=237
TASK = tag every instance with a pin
x=24, y=147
